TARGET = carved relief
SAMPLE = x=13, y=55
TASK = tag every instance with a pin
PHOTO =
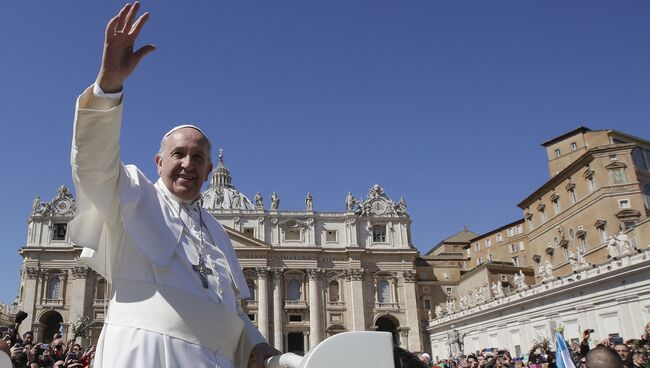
x=409, y=275
x=313, y=273
x=32, y=272
x=80, y=272
x=355, y=274
x=261, y=272
x=379, y=204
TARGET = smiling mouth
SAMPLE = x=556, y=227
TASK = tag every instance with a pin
x=184, y=177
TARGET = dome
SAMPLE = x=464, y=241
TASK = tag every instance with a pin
x=222, y=194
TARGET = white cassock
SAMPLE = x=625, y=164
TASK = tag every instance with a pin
x=144, y=241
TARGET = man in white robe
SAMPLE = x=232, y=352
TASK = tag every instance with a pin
x=175, y=281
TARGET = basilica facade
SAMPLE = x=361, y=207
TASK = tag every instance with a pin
x=312, y=274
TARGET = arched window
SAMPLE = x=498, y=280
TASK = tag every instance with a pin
x=100, y=290
x=251, y=287
x=334, y=291
x=293, y=290
x=54, y=288
x=383, y=292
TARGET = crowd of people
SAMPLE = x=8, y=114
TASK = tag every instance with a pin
x=612, y=352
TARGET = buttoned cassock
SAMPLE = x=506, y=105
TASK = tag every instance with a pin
x=144, y=241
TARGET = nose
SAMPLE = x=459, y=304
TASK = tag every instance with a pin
x=186, y=162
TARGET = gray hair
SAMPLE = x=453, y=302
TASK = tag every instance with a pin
x=174, y=129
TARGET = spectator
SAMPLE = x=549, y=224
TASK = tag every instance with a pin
x=603, y=357
x=624, y=352
x=472, y=361
x=639, y=359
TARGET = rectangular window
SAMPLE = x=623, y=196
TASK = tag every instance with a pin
x=521, y=245
x=582, y=243
x=59, y=231
x=591, y=183
x=572, y=195
x=520, y=229
x=513, y=248
x=488, y=242
x=515, y=261
x=603, y=234
x=557, y=152
x=427, y=303
x=425, y=289
x=556, y=206
x=330, y=236
x=542, y=216
x=618, y=176
x=449, y=289
x=292, y=234
x=499, y=238
x=623, y=203
x=479, y=260
x=379, y=233
x=295, y=318
x=574, y=146
x=530, y=223
x=490, y=258
x=477, y=247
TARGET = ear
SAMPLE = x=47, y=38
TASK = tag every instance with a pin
x=159, y=163
x=207, y=175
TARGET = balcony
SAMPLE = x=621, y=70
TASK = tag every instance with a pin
x=295, y=304
x=100, y=302
x=386, y=306
x=53, y=302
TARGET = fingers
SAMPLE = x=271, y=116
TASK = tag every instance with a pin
x=111, y=26
x=121, y=18
x=137, y=26
x=129, y=17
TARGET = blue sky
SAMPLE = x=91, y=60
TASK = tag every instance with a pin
x=442, y=102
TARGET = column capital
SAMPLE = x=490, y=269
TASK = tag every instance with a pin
x=80, y=272
x=354, y=274
x=261, y=272
x=32, y=272
x=313, y=273
x=409, y=275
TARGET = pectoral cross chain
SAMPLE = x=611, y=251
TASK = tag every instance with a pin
x=202, y=271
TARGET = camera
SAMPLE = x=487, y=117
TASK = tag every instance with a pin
x=591, y=330
x=617, y=340
x=72, y=356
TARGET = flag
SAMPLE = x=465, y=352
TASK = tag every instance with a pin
x=562, y=353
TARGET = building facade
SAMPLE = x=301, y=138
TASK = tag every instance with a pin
x=576, y=258
x=312, y=274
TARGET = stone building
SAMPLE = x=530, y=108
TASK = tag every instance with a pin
x=584, y=231
x=312, y=274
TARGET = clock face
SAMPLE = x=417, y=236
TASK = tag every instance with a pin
x=378, y=207
x=62, y=206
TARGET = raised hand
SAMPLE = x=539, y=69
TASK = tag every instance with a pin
x=119, y=60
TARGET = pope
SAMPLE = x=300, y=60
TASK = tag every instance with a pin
x=176, y=285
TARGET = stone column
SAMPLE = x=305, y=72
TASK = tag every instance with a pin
x=78, y=306
x=314, y=307
x=355, y=277
x=278, y=310
x=262, y=302
x=351, y=231
x=31, y=276
x=410, y=302
x=305, y=341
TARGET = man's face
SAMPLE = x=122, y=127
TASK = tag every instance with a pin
x=472, y=362
x=28, y=338
x=184, y=163
x=623, y=351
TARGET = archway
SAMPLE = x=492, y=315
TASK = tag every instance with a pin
x=390, y=324
x=51, y=321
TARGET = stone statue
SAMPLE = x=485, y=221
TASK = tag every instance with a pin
x=500, y=291
x=349, y=202
x=612, y=247
x=275, y=201
x=463, y=301
x=623, y=243
x=37, y=205
x=478, y=295
x=573, y=260
x=450, y=306
x=438, y=311
x=309, y=202
x=400, y=207
x=547, y=273
x=429, y=314
x=495, y=290
x=236, y=200
x=259, y=201
x=520, y=281
x=582, y=262
x=455, y=342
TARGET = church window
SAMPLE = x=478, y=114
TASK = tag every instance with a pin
x=383, y=292
x=427, y=303
x=59, y=231
x=100, y=289
x=251, y=287
x=54, y=288
x=379, y=233
x=333, y=291
x=292, y=234
x=293, y=292
x=330, y=236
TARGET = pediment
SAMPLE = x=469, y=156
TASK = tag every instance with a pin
x=616, y=165
x=239, y=240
